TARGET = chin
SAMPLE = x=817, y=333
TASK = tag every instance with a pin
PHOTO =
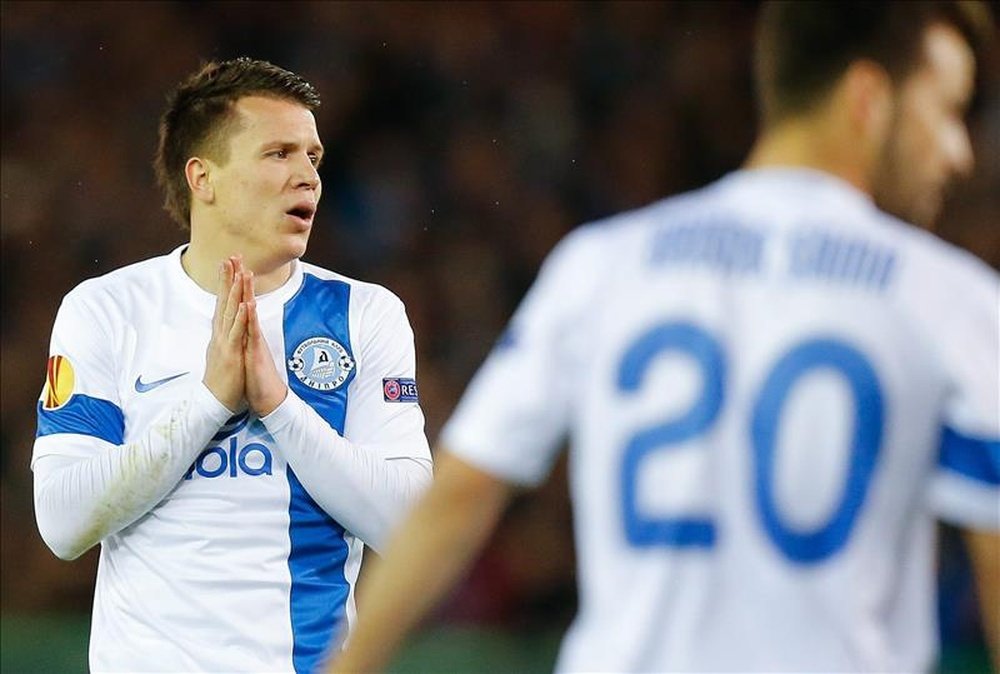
x=296, y=246
x=927, y=219
x=924, y=211
x=910, y=209
x=284, y=251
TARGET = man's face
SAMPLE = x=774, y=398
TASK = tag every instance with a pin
x=928, y=145
x=267, y=192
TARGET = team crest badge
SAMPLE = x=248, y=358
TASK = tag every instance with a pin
x=59, y=383
x=321, y=363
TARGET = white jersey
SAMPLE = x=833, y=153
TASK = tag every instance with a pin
x=241, y=563
x=770, y=389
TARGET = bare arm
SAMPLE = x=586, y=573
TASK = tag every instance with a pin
x=984, y=551
x=424, y=559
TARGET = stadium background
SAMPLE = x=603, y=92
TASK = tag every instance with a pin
x=463, y=140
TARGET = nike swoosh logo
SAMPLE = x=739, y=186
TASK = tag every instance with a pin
x=144, y=387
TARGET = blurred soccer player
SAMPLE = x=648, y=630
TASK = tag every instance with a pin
x=230, y=488
x=771, y=385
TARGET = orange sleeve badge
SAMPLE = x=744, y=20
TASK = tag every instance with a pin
x=59, y=382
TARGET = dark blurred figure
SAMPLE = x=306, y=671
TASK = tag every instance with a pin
x=772, y=386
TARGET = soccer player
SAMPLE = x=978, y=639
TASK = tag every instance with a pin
x=771, y=385
x=230, y=423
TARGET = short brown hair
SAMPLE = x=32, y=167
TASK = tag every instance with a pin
x=199, y=113
x=804, y=47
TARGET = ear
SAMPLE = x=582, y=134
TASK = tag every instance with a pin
x=199, y=180
x=868, y=94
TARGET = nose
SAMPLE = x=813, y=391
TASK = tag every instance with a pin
x=307, y=176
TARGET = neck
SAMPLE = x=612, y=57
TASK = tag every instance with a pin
x=810, y=143
x=204, y=255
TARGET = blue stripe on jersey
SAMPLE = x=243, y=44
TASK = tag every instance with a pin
x=319, y=589
x=86, y=416
x=977, y=458
x=318, y=549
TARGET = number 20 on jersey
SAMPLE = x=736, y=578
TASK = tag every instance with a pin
x=687, y=339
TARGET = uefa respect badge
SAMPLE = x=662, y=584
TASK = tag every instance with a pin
x=321, y=363
x=399, y=390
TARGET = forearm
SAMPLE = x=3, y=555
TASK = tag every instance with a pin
x=80, y=501
x=984, y=551
x=431, y=551
x=364, y=492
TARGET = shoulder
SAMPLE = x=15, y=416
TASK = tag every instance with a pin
x=616, y=239
x=637, y=221
x=947, y=293
x=931, y=262
x=118, y=286
x=363, y=294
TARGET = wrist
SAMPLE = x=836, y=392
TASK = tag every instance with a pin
x=269, y=403
x=232, y=404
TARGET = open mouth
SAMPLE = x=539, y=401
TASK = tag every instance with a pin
x=302, y=212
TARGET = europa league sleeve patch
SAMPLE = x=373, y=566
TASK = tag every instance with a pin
x=399, y=390
x=59, y=382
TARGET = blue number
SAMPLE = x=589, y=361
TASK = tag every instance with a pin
x=814, y=546
x=800, y=547
x=697, y=343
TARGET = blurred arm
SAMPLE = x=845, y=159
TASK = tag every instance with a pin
x=424, y=560
x=984, y=551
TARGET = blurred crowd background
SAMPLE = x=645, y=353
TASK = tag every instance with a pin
x=463, y=140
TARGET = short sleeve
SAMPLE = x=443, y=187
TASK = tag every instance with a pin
x=966, y=488
x=514, y=415
x=383, y=413
x=79, y=408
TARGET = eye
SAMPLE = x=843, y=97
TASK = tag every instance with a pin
x=280, y=154
x=314, y=158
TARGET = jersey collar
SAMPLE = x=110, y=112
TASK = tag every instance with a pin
x=204, y=301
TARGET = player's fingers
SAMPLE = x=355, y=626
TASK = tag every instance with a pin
x=222, y=295
x=251, y=302
x=239, y=328
x=232, y=303
x=253, y=325
x=237, y=262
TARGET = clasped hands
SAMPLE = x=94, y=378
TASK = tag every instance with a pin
x=239, y=370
